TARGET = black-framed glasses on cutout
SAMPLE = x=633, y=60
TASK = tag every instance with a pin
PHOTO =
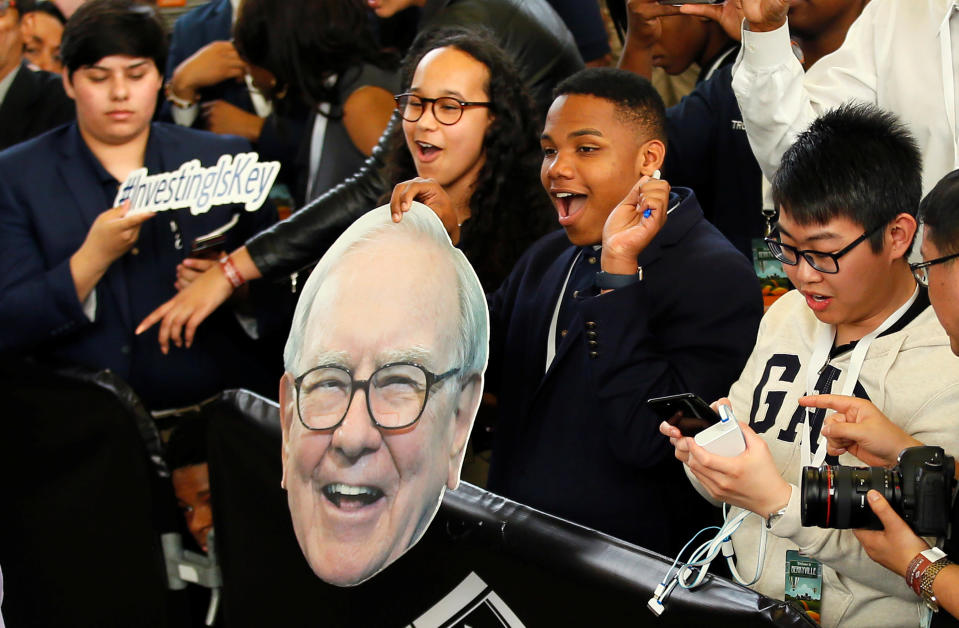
x=823, y=262
x=920, y=272
x=446, y=109
x=396, y=394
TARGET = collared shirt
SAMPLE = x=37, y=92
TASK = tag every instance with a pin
x=7, y=81
x=891, y=57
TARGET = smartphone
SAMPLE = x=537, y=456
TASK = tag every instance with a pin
x=686, y=411
x=208, y=247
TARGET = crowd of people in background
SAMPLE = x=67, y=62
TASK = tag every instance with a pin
x=622, y=243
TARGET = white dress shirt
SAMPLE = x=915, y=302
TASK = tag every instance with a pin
x=899, y=55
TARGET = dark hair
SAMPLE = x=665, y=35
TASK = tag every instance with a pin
x=856, y=161
x=939, y=211
x=305, y=42
x=22, y=7
x=187, y=444
x=634, y=97
x=100, y=28
x=45, y=6
x=508, y=207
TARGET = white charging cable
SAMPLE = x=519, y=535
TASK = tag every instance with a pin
x=697, y=567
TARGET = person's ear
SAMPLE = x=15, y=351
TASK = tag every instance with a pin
x=900, y=234
x=287, y=416
x=650, y=158
x=470, y=395
x=67, y=83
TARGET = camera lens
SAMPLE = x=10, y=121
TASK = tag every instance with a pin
x=835, y=496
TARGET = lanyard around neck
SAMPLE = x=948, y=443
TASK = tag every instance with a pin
x=825, y=337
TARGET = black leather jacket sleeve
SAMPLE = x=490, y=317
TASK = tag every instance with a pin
x=304, y=237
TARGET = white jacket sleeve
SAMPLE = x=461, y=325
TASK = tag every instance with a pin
x=778, y=101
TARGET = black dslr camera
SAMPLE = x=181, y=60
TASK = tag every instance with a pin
x=919, y=489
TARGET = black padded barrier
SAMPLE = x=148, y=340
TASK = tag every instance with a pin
x=84, y=500
x=509, y=561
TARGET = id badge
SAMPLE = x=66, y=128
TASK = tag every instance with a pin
x=804, y=583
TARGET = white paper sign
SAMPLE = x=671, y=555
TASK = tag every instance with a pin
x=234, y=179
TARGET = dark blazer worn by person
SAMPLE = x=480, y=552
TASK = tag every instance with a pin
x=280, y=138
x=52, y=188
x=34, y=103
x=708, y=151
x=577, y=439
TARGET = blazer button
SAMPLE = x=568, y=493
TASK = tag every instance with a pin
x=594, y=354
x=135, y=251
x=563, y=333
x=590, y=325
x=593, y=344
x=591, y=335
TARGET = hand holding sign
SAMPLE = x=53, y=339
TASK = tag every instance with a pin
x=113, y=233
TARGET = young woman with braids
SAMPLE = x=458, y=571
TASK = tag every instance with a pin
x=486, y=160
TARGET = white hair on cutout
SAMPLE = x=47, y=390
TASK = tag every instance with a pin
x=473, y=346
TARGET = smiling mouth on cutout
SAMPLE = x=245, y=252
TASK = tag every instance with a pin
x=350, y=497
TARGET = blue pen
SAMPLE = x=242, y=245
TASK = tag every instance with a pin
x=648, y=212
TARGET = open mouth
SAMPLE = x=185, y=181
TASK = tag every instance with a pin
x=349, y=497
x=568, y=204
x=817, y=302
x=427, y=151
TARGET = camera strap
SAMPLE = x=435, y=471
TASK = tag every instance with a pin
x=825, y=338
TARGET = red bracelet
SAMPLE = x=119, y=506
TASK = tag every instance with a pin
x=915, y=570
x=232, y=273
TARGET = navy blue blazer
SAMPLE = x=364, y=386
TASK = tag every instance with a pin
x=280, y=138
x=708, y=151
x=34, y=103
x=577, y=440
x=50, y=194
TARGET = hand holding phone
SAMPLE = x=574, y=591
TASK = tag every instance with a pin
x=686, y=411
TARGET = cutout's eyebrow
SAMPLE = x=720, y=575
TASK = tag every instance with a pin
x=418, y=355
x=326, y=358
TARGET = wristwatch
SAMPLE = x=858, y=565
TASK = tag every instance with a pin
x=610, y=281
x=175, y=100
x=775, y=516
x=938, y=561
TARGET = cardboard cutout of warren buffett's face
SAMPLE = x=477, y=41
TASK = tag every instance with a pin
x=386, y=312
